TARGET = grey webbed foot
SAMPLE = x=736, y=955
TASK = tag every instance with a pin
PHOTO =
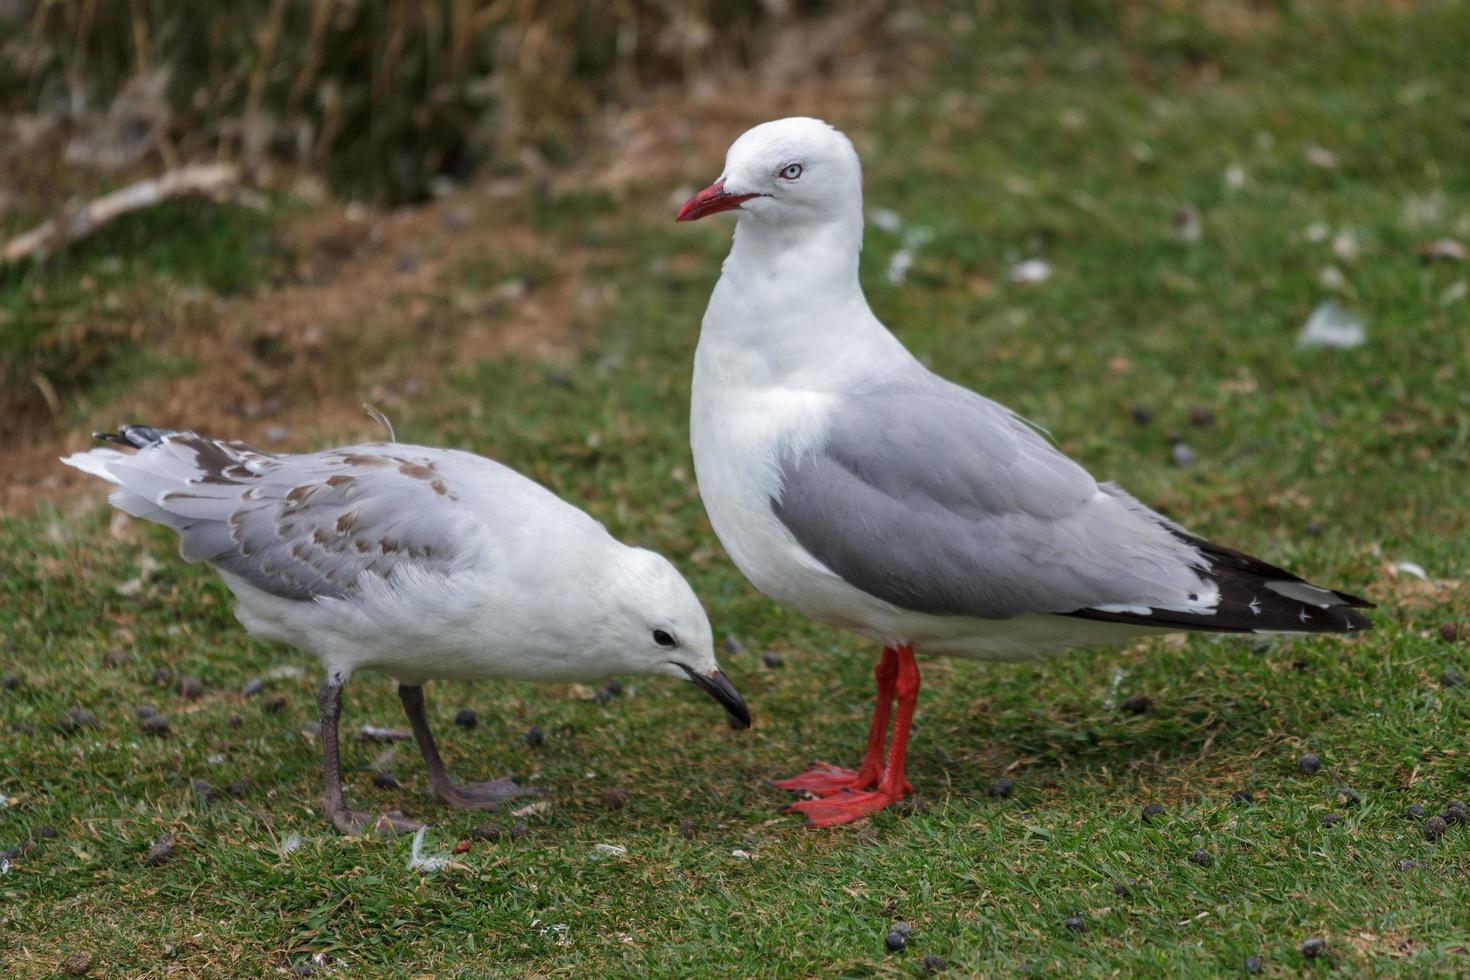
x=485, y=796
x=361, y=823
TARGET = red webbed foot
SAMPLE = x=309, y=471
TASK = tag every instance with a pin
x=843, y=808
x=824, y=779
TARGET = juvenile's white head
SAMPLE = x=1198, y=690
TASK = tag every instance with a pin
x=790, y=172
x=654, y=624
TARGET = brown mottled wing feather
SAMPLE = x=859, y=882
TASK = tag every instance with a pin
x=307, y=526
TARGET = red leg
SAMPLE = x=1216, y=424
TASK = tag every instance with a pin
x=848, y=806
x=823, y=778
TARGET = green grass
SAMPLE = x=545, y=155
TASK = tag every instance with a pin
x=1024, y=141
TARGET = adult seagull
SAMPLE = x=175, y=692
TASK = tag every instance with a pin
x=418, y=563
x=849, y=482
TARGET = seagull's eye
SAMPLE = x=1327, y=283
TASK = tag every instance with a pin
x=664, y=639
x=790, y=172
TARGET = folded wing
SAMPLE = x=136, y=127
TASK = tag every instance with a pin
x=298, y=526
x=937, y=500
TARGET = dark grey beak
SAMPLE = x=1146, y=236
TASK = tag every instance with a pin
x=718, y=686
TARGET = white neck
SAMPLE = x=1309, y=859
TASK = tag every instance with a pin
x=789, y=307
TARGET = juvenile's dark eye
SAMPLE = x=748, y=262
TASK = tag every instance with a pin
x=790, y=171
x=663, y=639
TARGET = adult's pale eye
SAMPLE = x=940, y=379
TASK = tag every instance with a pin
x=790, y=171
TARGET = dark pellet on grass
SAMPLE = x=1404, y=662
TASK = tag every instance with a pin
x=1152, y=810
x=1142, y=414
x=1451, y=678
x=384, y=780
x=913, y=806
x=612, y=799
x=1202, y=857
x=1074, y=923
x=772, y=659
x=1455, y=812
x=203, y=792
x=1434, y=829
x=1001, y=787
x=161, y=851
x=1124, y=888
x=76, y=719
x=1201, y=417
x=146, y=711
x=10, y=681
x=22, y=728
x=1243, y=797
x=154, y=724
x=1314, y=529
x=45, y=832
x=519, y=830
x=1406, y=864
x=191, y=688
x=235, y=721
x=1138, y=704
x=933, y=963
x=1331, y=819
x=162, y=676
x=252, y=687
x=1309, y=763
x=273, y=704
x=686, y=828
x=898, y=936
x=535, y=737
x=466, y=718
x=77, y=964
x=613, y=686
x=733, y=647
x=1415, y=811
x=486, y=832
x=1254, y=964
x=1313, y=948
x=1450, y=632
x=117, y=657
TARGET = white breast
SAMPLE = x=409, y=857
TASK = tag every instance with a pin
x=741, y=425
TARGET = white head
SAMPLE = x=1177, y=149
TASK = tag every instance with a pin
x=795, y=171
x=654, y=624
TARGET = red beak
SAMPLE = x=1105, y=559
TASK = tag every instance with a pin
x=711, y=200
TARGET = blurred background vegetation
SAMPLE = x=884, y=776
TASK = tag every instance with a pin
x=388, y=102
x=383, y=96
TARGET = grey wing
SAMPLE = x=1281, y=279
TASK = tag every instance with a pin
x=937, y=500
x=301, y=526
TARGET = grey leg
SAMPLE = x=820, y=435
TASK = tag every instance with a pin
x=353, y=822
x=475, y=796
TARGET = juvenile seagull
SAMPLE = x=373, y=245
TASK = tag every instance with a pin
x=422, y=564
x=849, y=482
